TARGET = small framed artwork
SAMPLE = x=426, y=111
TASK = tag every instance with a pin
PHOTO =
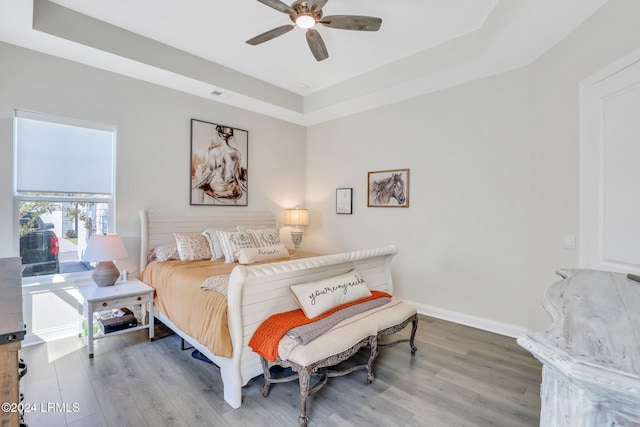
x=218, y=164
x=344, y=203
x=388, y=189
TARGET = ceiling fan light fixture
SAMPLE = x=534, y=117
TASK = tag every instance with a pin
x=305, y=21
x=306, y=14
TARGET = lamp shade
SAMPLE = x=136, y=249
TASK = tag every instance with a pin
x=296, y=217
x=104, y=247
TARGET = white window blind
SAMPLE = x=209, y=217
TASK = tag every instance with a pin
x=60, y=155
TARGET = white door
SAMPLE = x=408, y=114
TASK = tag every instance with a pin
x=610, y=168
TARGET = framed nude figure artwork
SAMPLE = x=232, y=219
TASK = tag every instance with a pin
x=219, y=171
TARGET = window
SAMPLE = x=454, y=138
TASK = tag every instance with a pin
x=64, y=189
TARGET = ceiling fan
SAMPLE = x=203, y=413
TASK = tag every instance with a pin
x=306, y=14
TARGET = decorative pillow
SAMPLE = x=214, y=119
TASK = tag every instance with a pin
x=232, y=241
x=251, y=255
x=315, y=298
x=164, y=252
x=214, y=243
x=265, y=236
x=192, y=246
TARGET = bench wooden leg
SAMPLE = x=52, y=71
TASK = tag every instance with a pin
x=268, y=380
x=318, y=368
x=267, y=376
x=304, y=377
x=373, y=343
x=400, y=326
x=414, y=328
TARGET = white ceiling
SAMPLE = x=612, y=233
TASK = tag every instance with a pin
x=198, y=46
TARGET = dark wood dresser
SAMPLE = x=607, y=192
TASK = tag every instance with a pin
x=11, y=334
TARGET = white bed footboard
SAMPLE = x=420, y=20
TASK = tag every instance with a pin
x=256, y=292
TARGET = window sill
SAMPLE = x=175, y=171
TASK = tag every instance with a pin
x=36, y=284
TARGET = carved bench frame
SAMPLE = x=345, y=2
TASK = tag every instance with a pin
x=319, y=367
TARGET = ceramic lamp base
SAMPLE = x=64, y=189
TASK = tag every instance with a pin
x=105, y=274
x=296, y=238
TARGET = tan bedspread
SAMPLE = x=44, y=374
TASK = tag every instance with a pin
x=202, y=314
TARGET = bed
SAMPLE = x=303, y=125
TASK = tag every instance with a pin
x=254, y=291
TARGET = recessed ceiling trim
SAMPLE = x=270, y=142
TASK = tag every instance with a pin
x=449, y=54
x=68, y=24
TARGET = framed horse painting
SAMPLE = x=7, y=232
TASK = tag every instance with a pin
x=388, y=189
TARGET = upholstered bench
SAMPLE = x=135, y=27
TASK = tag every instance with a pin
x=339, y=344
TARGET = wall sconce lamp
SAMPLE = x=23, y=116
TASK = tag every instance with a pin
x=296, y=217
x=103, y=249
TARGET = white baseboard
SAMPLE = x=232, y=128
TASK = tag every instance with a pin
x=473, y=321
x=50, y=335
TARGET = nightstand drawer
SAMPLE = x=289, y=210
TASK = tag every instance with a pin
x=120, y=302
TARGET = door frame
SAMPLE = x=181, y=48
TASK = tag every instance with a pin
x=591, y=235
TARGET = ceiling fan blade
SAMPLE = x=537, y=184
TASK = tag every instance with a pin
x=318, y=4
x=279, y=6
x=271, y=34
x=316, y=44
x=352, y=22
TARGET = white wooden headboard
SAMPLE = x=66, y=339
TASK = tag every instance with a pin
x=158, y=226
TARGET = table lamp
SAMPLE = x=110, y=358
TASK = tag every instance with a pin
x=296, y=217
x=103, y=249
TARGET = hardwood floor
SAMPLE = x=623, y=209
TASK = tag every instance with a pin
x=460, y=376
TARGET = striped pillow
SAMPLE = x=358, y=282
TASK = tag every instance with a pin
x=232, y=241
x=265, y=237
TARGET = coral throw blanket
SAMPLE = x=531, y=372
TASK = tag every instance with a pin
x=266, y=338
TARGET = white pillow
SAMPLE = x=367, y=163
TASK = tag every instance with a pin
x=265, y=236
x=214, y=243
x=232, y=241
x=315, y=298
x=192, y=246
x=251, y=255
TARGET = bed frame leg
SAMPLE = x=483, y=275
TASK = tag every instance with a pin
x=232, y=388
x=183, y=347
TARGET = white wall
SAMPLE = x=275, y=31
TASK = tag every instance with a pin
x=463, y=241
x=494, y=181
x=608, y=35
x=153, y=151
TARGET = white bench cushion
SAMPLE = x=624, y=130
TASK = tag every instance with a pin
x=333, y=342
x=394, y=315
x=345, y=334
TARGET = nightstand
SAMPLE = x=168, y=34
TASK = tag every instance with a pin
x=122, y=294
